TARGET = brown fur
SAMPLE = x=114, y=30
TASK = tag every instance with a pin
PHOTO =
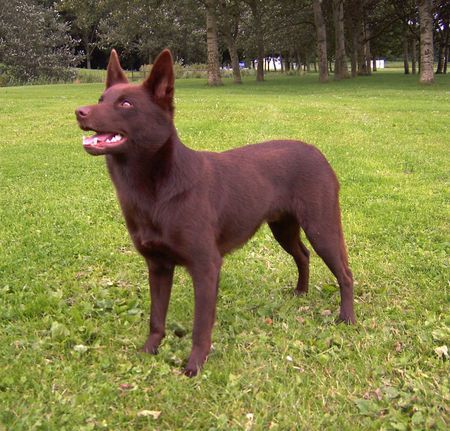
x=190, y=208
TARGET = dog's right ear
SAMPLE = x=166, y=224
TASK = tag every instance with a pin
x=115, y=74
x=160, y=83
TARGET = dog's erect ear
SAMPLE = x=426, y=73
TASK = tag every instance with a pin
x=115, y=74
x=160, y=83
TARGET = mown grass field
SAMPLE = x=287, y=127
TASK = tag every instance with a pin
x=74, y=294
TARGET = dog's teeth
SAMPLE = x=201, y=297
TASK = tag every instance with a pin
x=95, y=141
x=108, y=141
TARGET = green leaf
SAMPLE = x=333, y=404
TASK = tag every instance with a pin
x=399, y=426
x=391, y=392
x=58, y=331
x=417, y=418
x=366, y=407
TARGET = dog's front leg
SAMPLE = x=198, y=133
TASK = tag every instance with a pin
x=160, y=278
x=205, y=278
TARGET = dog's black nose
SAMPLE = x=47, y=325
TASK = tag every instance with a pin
x=82, y=112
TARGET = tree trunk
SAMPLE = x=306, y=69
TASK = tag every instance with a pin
x=231, y=22
x=374, y=64
x=321, y=40
x=367, y=53
x=447, y=39
x=413, y=57
x=361, y=58
x=340, y=68
x=426, y=42
x=235, y=63
x=256, y=12
x=441, y=54
x=405, y=54
x=447, y=50
x=364, y=66
x=361, y=39
x=354, y=56
x=88, y=49
x=212, y=46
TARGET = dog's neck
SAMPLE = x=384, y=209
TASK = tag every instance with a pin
x=167, y=172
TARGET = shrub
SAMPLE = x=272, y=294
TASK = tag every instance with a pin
x=35, y=45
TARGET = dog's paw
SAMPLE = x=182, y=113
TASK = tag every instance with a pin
x=195, y=363
x=150, y=350
x=190, y=371
x=150, y=347
x=347, y=319
x=300, y=291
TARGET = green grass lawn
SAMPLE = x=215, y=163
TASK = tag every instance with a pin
x=74, y=297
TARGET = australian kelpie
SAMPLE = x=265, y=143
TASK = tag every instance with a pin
x=190, y=208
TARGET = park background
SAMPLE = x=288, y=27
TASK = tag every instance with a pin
x=73, y=292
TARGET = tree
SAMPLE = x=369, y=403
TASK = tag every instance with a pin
x=363, y=37
x=230, y=14
x=288, y=32
x=406, y=52
x=256, y=7
x=340, y=68
x=34, y=43
x=406, y=12
x=426, y=42
x=413, y=56
x=321, y=40
x=442, y=13
x=141, y=29
x=85, y=16
x=212, y=45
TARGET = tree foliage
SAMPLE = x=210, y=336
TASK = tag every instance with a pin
x=143, y=28
x=85, y=16
x=34, y=43
x=252, y=31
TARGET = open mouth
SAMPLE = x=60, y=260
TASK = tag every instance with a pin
x=103, y=141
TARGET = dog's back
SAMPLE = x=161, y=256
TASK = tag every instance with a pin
x=263, y=183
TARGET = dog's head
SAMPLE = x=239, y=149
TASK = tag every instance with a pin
x=131, y=115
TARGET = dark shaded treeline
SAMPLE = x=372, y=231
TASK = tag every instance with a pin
x=325, y=34
x=339, y=38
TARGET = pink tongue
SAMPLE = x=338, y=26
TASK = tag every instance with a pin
x=100, y=138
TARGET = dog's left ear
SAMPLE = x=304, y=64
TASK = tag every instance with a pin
x=115, y=74
x=160, y=83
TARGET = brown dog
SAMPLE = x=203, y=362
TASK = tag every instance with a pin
x=190, y=208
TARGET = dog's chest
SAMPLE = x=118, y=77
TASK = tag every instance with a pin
x=150, y=220
x=151, y=231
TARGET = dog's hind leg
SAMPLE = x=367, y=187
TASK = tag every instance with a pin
x=325, y=234
x=287, y=232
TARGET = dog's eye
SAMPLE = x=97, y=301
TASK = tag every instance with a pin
x=125, y=104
